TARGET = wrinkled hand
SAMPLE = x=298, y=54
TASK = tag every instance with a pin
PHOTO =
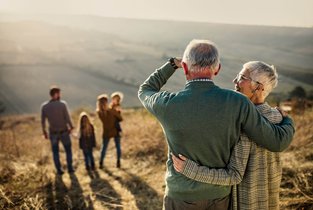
x=179, y=162
x=283, y=113
x=177, y=62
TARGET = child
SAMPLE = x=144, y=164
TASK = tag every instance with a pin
x=116, y=100
x=87, y=140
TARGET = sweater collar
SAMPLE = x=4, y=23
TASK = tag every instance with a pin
x=198, y=83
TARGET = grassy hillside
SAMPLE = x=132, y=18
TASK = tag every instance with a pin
x=87, y=54
x=28, y=181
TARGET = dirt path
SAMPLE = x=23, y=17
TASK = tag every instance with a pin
x=108, y=188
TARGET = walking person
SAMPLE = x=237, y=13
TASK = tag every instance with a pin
x=60, y=127
x=87, y=140
x=203, y=122
x=254, y=171
x=109, y=118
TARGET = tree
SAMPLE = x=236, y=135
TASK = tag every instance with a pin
x=298, y=92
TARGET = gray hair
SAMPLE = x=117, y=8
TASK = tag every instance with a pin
x=200, y=54
x=264, y=74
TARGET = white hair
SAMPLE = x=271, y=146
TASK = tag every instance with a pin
x=200, y=54
x=263, y=73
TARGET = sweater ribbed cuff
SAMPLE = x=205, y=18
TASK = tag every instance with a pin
x=190, y=169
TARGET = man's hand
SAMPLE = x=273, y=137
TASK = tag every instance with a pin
x=283, y=113
x=45, y=134
x=177, y=62
x=70, y=130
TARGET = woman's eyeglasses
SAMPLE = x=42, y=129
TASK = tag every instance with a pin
x=241, y=77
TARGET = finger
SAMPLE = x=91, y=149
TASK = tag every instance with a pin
x=174, y=157
x=177, y=163
x=177, y=166
x=176, y=169
x=174, y=160
x=182, y=157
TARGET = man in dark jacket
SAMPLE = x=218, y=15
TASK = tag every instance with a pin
x=60, y=127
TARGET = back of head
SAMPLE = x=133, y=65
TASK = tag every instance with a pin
x=102, y=100
x=84, y=125
x=54, y=90
x=83, y=115
x=264, y=74
x=200, y=54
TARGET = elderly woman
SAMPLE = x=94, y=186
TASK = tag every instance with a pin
x=254, y=171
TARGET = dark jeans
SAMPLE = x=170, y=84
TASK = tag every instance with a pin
x=105, y=144
x=89, y=160
x=216, y=204
x=66, y=141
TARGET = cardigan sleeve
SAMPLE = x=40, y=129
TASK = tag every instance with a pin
x=231, y=175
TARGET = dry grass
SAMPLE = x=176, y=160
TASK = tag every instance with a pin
x=297, y=181
x=28, y=181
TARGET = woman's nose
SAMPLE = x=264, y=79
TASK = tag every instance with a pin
x=235, y=81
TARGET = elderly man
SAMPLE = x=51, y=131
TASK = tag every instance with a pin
x=60, y=126
x=204, y=122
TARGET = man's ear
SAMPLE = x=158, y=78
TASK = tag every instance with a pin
x=218, y=69
x=185, y=67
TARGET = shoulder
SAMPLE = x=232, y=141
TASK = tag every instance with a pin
x=272, y=114
x=101, y=114
x=44, y=103
x=63, y=102
x=233, y=95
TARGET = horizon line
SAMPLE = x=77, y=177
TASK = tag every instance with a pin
x=2, y=12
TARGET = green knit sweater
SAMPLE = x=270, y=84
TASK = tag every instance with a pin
x=204, y=122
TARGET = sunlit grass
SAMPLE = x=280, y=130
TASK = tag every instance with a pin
x=28, y=180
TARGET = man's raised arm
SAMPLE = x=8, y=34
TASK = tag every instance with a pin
x=149, y=92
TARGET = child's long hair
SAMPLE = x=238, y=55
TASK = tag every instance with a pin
x=84, y=129
x=101, y=100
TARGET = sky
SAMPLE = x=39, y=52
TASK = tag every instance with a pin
x=298, y=13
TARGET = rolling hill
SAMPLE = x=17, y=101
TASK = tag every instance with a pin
x=88, y=55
